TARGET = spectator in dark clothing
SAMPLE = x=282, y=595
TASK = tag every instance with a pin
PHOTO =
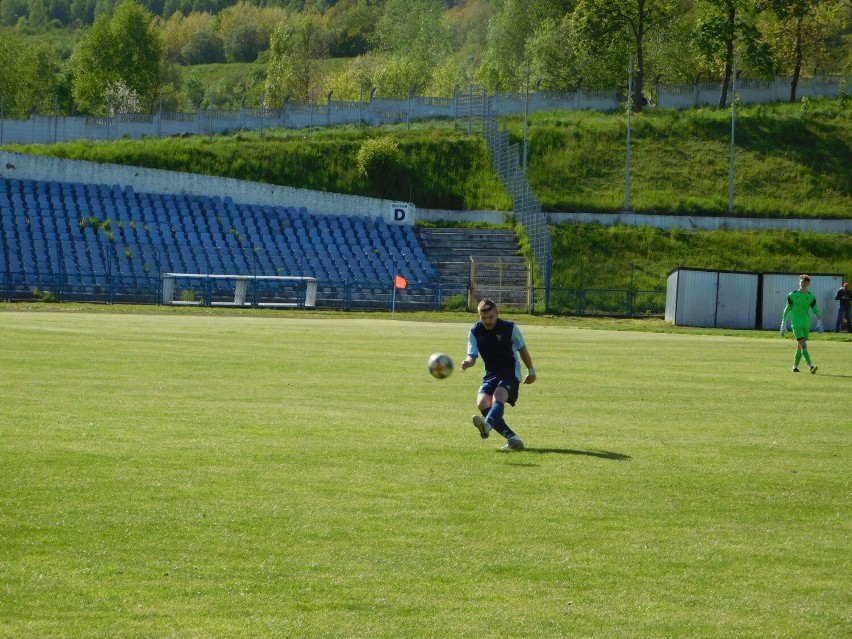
x=844, y=297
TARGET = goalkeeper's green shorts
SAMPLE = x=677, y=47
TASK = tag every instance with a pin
x=802, y=331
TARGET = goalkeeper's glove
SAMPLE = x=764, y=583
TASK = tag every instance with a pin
x=820, y=327
x=783, y=329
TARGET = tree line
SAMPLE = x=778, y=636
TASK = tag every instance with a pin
x=139, y=56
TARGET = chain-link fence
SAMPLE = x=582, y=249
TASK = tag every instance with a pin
x=508, y=282
x=114, y=273
x=202, y=289
x=527, y=211
x=600, y=301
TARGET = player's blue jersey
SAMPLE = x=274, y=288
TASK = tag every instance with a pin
x=498, y=348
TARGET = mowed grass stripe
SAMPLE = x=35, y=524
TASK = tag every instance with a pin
x=188, y=476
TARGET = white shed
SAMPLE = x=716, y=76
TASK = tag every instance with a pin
x=715, y=299
x=777, y=286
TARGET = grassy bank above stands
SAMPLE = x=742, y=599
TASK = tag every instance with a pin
x=433, y=166
x=593, y=256
x=791, y=160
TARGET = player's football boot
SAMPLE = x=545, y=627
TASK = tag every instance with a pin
x=513, y=444
x=482, y=426
x=813, y=369
x=795, y=369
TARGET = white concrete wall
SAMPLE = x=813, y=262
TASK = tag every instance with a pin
x=705, y=222
x=684, y=96
x=46, y=129
x=22, y=167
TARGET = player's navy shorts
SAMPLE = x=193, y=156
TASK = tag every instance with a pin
x=510, y=383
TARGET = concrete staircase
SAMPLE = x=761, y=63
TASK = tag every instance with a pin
x=501, y=270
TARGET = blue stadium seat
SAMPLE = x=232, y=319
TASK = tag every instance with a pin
x=159, y=232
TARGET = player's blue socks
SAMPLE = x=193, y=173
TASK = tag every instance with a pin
x=495, y=418
x=496, y=412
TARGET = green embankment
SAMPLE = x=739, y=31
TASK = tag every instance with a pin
x=791, y=161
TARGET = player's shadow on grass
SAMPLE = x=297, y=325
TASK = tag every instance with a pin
x=603, y=454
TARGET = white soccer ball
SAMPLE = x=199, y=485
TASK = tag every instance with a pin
x=440, y=366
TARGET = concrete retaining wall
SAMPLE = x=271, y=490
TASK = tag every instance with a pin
x=31, y=167
x=47, y=129
x=704, y=222
x=21, y=166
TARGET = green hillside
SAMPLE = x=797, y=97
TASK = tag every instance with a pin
x=791, y=162
x=620, y=257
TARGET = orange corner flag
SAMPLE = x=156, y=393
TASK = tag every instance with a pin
x=399, y=282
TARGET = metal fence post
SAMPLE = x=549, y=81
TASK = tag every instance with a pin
x=547, y=284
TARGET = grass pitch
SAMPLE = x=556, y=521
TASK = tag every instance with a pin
x=231, y=476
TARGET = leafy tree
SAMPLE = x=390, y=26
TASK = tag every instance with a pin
x=104, y=7
x=177, y=30
x=185, y=7
x=412, y=25
x=355, y=81
x=411, y=41
x=351, y=27
x=508, y=52
x=397, y=75
x=799, y=32
x=39, y=71
x=58, y=11
x=38, y=15
x=468, y=26
x=445, y=78
x=169, y=94
x=154, y=6
x=204, y=47
x=241, y=44
x=296, y=46
x=64, y=96
x=120, y=98
x=194, y=90
x=82, y=11
x=124, y=47
x=10, y=81
x=263, y=19
x=11, y=11
x=600, y=23
x=669, y=53
x=726, y=26
x=554, y=59
x=383, y=165
x=30, y=77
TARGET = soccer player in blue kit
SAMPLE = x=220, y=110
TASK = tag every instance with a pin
x=500, y=343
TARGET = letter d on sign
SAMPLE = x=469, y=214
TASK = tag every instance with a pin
x=400, y=213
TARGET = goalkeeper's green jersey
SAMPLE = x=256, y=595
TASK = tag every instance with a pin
x=800, y=304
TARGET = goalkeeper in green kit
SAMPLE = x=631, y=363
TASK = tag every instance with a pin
x=799, y=304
